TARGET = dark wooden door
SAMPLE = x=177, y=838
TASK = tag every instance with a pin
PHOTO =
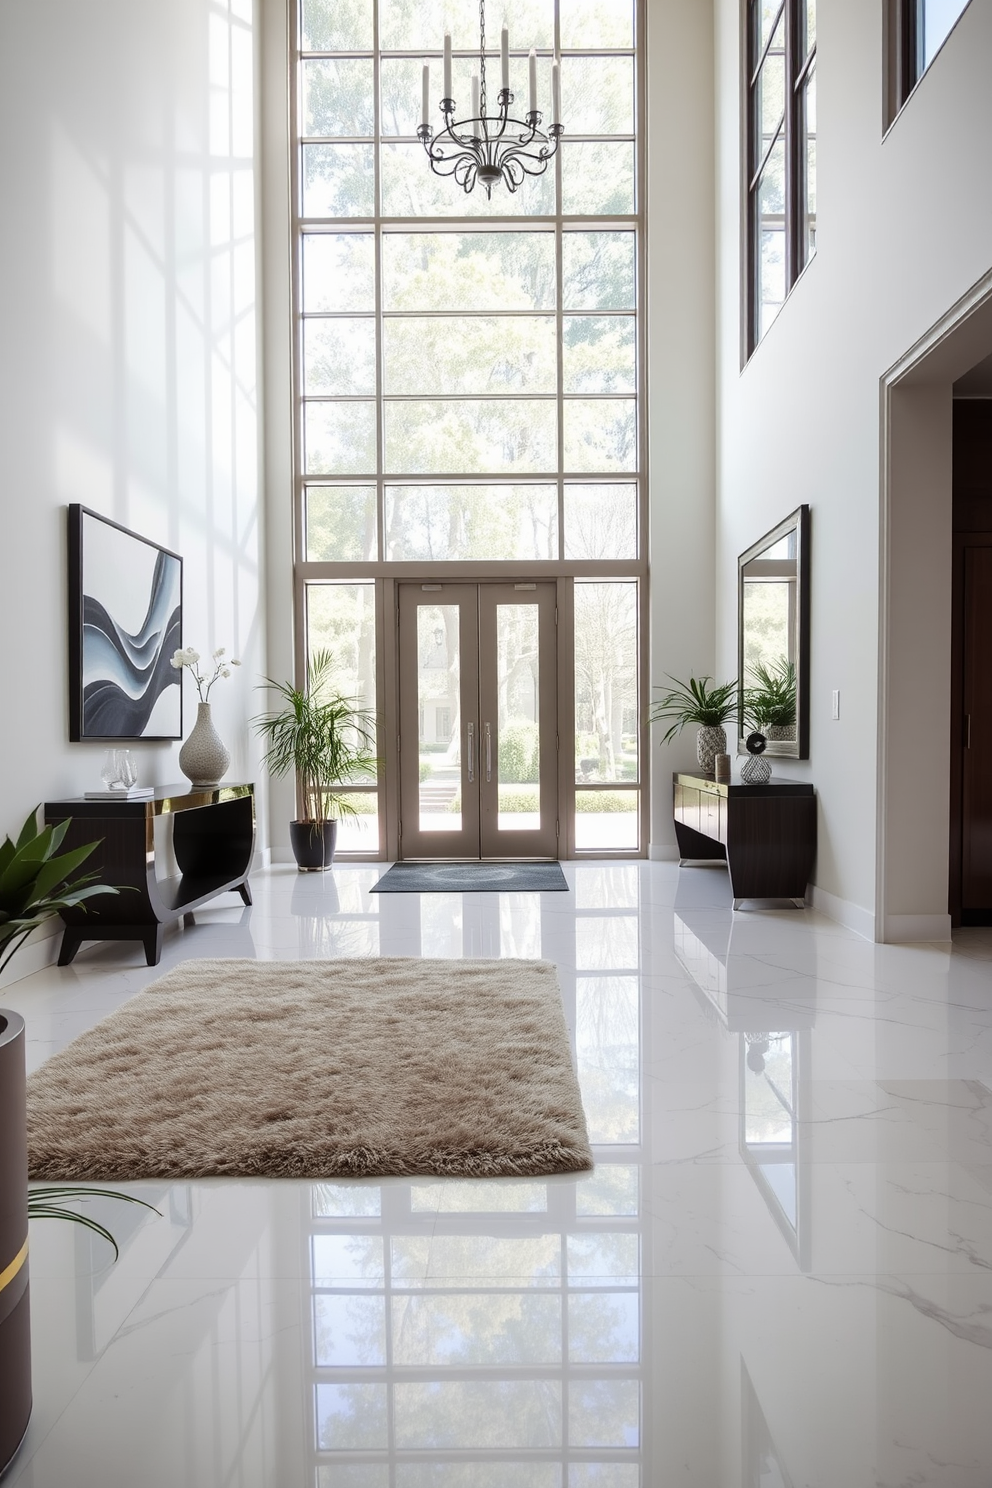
x=976, y=773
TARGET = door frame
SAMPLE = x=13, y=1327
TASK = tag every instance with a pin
x=962, y=542
x=554, y=688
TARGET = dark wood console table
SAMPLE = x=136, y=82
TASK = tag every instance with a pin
x=766, y=833
x=212, y=841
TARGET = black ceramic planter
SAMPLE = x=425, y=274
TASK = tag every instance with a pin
x=313, y=844
x=15, y=1332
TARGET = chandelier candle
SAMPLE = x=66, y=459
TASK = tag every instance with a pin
x=486, y=147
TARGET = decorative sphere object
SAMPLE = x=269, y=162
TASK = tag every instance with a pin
x=755, y=770
x=756, y=743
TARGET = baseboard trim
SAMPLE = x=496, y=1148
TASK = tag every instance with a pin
x=35, y=954
x=663, y=852
x=851, y=916
x=904, y=929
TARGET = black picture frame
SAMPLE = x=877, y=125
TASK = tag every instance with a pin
x=125, y=622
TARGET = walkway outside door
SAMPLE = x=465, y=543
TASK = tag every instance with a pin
x=478, y=721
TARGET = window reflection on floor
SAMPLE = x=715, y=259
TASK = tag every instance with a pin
x=505, y=1333
x=490, y=1333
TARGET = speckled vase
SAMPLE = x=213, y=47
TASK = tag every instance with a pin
x=203, y=758
x=710, y=741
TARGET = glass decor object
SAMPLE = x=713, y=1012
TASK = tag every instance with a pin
x=119, y=770
x=484, y=147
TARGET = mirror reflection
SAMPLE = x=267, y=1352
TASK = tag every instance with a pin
x=770, y=1131
x=773, y=638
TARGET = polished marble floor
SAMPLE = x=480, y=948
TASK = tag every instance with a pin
x=779, y=1273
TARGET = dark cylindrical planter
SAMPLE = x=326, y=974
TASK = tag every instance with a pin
x=15, y=1330
x=313, y=844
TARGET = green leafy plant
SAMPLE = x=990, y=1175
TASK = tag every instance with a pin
x=36, y=882
x=699, y=700
x=772, y=703
x=519, y=752
x=49, y=1203
x=323, y=739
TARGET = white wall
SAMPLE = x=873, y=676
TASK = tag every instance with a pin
x=681, y=370
x=904, y=229
x=128, y=347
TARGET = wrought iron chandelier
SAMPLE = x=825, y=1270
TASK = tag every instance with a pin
x=490, y=148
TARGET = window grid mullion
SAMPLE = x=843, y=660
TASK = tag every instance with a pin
x=380, y=416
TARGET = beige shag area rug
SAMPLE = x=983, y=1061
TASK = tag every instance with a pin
x=310, y=1069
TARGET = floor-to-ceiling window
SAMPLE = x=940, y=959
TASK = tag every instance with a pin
x=780, y=175
x=468, y=376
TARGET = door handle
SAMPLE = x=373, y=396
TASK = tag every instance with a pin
x=471, y=752
x=967, y=731
x=489, y=753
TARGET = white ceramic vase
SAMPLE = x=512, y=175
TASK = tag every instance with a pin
x=710, y=741
x=203, y=758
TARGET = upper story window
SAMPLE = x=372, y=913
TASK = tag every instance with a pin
x=781, y=154
x=918, y=30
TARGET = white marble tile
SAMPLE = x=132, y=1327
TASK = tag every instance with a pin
x=789, y=1225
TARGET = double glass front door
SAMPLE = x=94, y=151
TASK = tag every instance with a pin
x=478, y=720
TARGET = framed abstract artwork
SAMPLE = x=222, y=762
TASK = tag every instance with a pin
x=125, y=621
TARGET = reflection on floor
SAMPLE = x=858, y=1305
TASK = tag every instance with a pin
x=780, y=1271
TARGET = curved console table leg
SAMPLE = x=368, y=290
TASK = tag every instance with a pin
x=213, y=841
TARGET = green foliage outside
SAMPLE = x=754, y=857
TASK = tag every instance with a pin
x=524, y=802
x=604, y=802
x=518, y=752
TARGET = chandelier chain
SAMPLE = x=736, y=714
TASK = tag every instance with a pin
x=482, y=57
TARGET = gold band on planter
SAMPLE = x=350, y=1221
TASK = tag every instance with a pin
x=9, y=1272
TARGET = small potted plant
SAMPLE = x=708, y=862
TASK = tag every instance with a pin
x=704, y=702
x=325, y=740
x=771, y=705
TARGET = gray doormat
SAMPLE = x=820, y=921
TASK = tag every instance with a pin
x=471, y=878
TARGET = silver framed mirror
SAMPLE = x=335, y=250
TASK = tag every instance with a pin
x=773, y=638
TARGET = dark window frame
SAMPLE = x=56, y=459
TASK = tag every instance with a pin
x=799, y=67
x=906, y=51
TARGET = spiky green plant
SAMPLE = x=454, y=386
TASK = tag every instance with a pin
x=324, y=740
x=49, y=1203
x=36, y=883
x=699, y=701
x=772, y=703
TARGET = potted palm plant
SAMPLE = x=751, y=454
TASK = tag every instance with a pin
x=771, y=705
x=36, y=882
x=701, y=701
x=325, y=740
